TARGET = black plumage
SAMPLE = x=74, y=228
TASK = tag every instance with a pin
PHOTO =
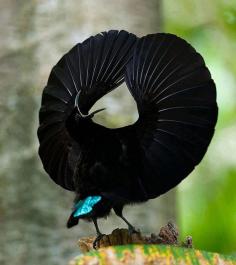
x=176, y=102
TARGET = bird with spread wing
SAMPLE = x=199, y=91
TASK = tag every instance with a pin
x=109, y=168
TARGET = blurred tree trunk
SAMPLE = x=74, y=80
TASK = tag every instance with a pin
x=34, y=35
x=18, y=77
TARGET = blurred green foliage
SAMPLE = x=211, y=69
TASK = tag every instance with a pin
x=207, y=199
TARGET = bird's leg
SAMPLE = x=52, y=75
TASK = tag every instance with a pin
x=99, y=234
x=118, y=211
x=130, y=227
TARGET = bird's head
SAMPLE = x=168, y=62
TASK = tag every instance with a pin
x=85, y=116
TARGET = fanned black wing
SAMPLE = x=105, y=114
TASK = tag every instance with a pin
x=93, y=67
x=176, y=100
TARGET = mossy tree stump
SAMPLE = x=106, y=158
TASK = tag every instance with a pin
x=122, y=248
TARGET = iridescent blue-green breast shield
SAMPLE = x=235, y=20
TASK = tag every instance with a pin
x=85, y=206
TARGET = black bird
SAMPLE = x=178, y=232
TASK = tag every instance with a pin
x=109, y=168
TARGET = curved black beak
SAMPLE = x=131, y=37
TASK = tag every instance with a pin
x=90, y=115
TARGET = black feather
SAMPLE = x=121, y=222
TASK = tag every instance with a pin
x=93, y=67
x=176, y=100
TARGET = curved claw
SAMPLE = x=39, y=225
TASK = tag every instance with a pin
x=97, y=240
x=80, y=113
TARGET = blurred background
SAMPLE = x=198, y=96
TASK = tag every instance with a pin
x=33, y=210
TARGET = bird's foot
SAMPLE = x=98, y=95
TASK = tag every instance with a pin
x=133, y=230
x=97, y=240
